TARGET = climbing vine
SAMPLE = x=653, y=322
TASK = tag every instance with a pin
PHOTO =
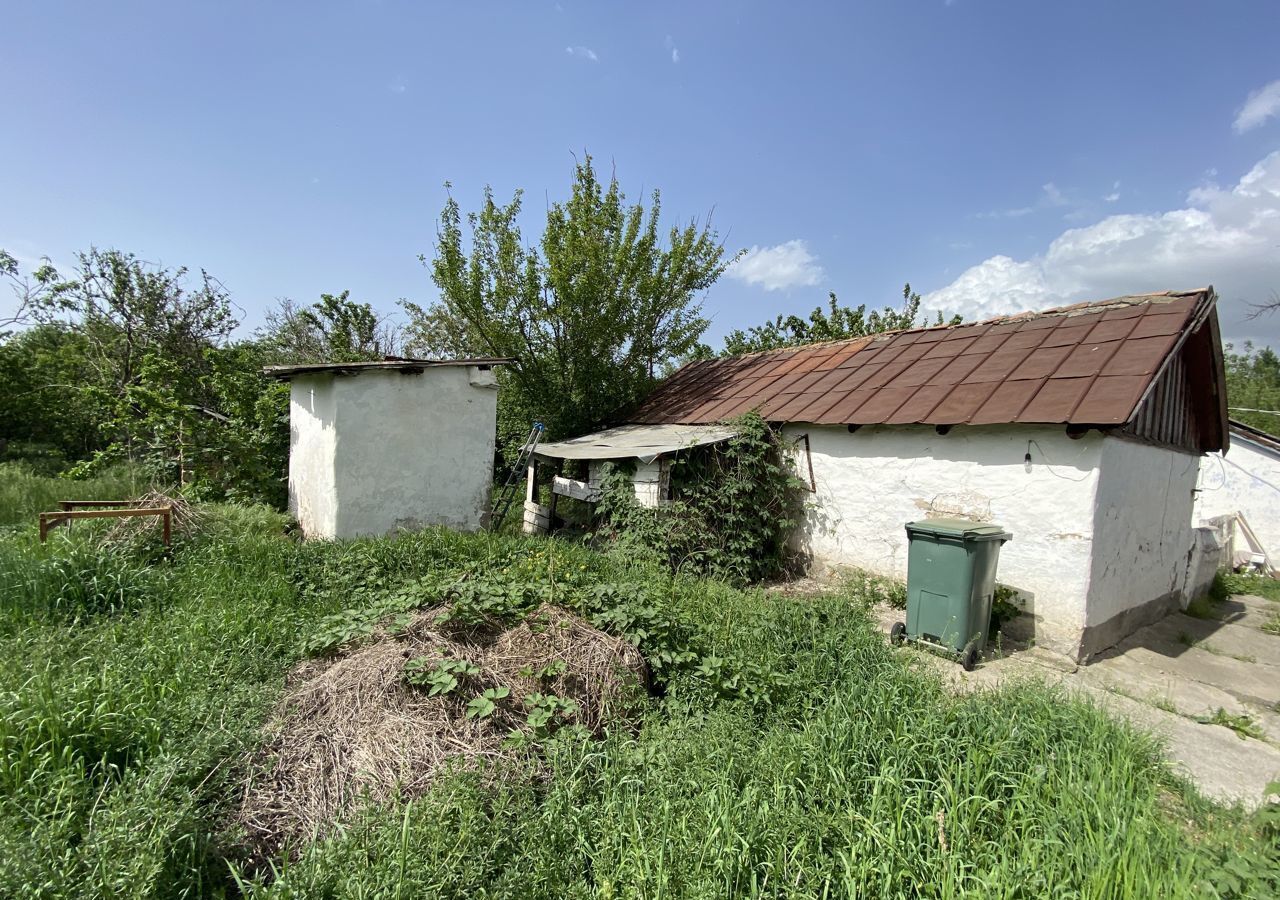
x=732, y=510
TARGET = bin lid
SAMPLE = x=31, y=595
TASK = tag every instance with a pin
x=958, y=528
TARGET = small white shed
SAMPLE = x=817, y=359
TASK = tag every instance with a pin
x=375, y=447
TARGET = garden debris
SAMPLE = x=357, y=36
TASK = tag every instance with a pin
x=352, y=729
x=185, y=520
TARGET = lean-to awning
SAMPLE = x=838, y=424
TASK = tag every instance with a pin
x=643, y=442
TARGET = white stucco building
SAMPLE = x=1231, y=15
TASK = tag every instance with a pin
x=375, y=447
x=1080, y=430
x=1244, y=482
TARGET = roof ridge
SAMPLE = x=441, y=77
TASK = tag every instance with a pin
x=1027, y=315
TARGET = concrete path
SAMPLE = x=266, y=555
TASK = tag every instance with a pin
x=1209, y=688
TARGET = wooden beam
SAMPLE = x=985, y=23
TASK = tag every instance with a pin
x=50, y=520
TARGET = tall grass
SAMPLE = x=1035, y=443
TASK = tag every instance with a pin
x=25, y=492
x=131, y=689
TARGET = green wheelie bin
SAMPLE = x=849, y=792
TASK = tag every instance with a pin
x=951, y=579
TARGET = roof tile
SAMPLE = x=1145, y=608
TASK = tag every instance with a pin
x=1006, y=402
x=1040, y=363
x=880, y=405
x=956, y=370
x=918, y=407
x=1110, y=399
x=1055, y=401
x=1141, y=356
x=1152, y=325
x=961, y=403
x=1087, y=359
x=997, y=366
x=1066, y=335
x=948, y=349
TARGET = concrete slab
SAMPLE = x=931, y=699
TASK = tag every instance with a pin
x=1225, y=767
x=1246, y=609
x=1240, y=641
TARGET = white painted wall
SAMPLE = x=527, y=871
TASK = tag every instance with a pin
x=872, y=482
x=1246, y=480
x=395, y=450
x=1143, y=531
x=312, y=439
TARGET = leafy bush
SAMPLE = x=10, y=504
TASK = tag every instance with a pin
x=733, y=510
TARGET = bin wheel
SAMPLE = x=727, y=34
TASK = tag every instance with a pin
x=969, y=658
x=898, y=633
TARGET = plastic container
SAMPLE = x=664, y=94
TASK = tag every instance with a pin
x=951, y=580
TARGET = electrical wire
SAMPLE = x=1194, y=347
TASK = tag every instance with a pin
x=1048, y=463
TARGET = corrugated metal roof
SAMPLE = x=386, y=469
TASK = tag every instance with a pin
x=395, y=364
x=643, y=442
x=1091, y=363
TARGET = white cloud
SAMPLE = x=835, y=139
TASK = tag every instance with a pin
x=1262, y=104
x=1053, y=196
x=675, y=54
x=1114, y=195
x=398, y=86
x=583, y=53
x=1226, y=237
x=1050, y=196
x=776, y=268
x=670, y=44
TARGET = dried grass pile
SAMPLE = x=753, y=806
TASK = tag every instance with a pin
x=352, y=729
x=185, y=521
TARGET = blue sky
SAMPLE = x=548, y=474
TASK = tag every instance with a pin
x=999, y=155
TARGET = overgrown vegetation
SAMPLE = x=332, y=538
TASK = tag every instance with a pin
x=733, y=507
x=791, y=751
x=124, y=362
x=591, y=316
x=1253, y=384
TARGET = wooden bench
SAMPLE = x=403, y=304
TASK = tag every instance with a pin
x=103, y=509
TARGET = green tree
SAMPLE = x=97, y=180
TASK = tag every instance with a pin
x=836, y=323
x=47, y=404
x=29, y=291
x=336, y=329
x=1253, y=383
x=590, y=319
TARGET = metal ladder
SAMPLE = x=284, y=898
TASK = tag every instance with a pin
x=507, y=493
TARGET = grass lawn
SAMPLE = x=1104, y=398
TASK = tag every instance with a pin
x=791, y=752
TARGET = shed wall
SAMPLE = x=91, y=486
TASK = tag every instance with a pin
x=872, y=482
x=312, y=443
x=392, y=450
x=1142, y=539
x=1245, y=480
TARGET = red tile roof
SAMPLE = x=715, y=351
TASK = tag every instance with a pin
x=1087, y=364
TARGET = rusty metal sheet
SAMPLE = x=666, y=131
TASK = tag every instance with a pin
x=962, y=402
x=1110, y=399
x=996, y=367
x=1056, y=400
x=920, y=405
x=1085, y=364
x=1006, y=402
